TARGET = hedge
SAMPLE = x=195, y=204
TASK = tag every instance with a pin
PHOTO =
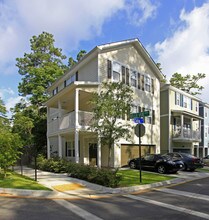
x=101, y=176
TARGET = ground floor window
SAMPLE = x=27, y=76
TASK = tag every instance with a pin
x=70, y=149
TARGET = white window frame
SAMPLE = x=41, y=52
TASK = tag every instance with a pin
x=185, y=101
x=133, y=76
x=70, y=149
x=134, y=109
x=147, y=83
x=70, y=80
x=116, y=71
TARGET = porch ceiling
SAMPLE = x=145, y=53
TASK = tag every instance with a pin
x=189, y=114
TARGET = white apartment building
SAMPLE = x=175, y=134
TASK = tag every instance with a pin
x=69, y=112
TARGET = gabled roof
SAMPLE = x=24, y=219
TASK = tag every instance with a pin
x=112, y=46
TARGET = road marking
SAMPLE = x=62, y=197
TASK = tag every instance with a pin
x=184, y=193
x=168, y=206
x=77, y=210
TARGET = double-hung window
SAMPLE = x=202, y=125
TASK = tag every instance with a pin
x=147, y=84
x=185, y=102
x=70, y=149
x=133, y=78
x=134, y=109
x=116, y=67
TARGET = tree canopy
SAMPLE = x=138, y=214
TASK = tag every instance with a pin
x=188, y=83
x=40, y=68
x=80, y=55
x=113, y=101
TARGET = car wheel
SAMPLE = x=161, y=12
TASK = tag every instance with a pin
x=161, y=169
x=132, y=165
x=185, y=167
x=192, y=169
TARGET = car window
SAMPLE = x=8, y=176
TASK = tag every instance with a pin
x=176, y=155
x=149, y=157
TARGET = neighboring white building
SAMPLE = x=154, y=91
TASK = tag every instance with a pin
x=69, y=111
x=180, y=121
x=204, y=144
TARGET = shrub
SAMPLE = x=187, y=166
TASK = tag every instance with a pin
x=105, y=177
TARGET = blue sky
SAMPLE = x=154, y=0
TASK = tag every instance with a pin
x=174, y=32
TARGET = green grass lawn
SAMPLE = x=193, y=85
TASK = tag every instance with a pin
x=131, y=178
x=203, y=169
x=17, y=181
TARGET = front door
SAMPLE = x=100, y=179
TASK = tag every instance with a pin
x=92, y=154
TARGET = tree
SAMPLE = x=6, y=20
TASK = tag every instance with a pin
x=10, y=145
x=4, y=122
x=80, y=55
x=188, y=83
x=40, y=68
x=111, y=103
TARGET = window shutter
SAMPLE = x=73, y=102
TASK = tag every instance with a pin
x=139, y=82
x=153, y=87
x=153, y=117
x=139, y=109
x=191, y=105
x=127, y=76
x=66, y=149
x=76, y=76
x=123, y=74
x=109, y=69
x=142, y=82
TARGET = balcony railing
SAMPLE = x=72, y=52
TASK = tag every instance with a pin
x=186, y=134
x=67, y=121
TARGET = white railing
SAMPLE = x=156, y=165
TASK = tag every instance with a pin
x=67, y=121
x=186, y=134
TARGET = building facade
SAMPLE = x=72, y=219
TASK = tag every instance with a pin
x=69, y=112
x=204, y=144
x=180, y=121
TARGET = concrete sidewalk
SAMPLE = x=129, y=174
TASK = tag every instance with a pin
x=67, y=187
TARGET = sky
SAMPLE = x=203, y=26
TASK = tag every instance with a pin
x=174, y=32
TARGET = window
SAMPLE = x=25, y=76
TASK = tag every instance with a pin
x=55, y=91
x=188, y=103
x=177, y=98
x=206, y=132
x=147, y=84
x=184, y=101
x=148, y=119
x=70, y=149
x=134, y=109
x=70, y=80
x=133, y=78
x=116, y=71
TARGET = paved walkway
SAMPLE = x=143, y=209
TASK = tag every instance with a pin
x=67, y=187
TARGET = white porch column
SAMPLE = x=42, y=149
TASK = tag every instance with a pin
x=182, y=125
x=76, y=126
x=60, y=146
x=191, y=128
x=99, y=162
x=48, y=148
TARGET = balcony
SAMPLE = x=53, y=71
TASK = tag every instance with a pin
x=67, y=122
x=186, y=135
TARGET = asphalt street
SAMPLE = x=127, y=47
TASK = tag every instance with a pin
x=184, y=201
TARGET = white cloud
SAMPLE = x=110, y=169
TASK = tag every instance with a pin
x=69, y=21
x=186, y=51
x=6, y=91
x=139, y=11
x=11, y=102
